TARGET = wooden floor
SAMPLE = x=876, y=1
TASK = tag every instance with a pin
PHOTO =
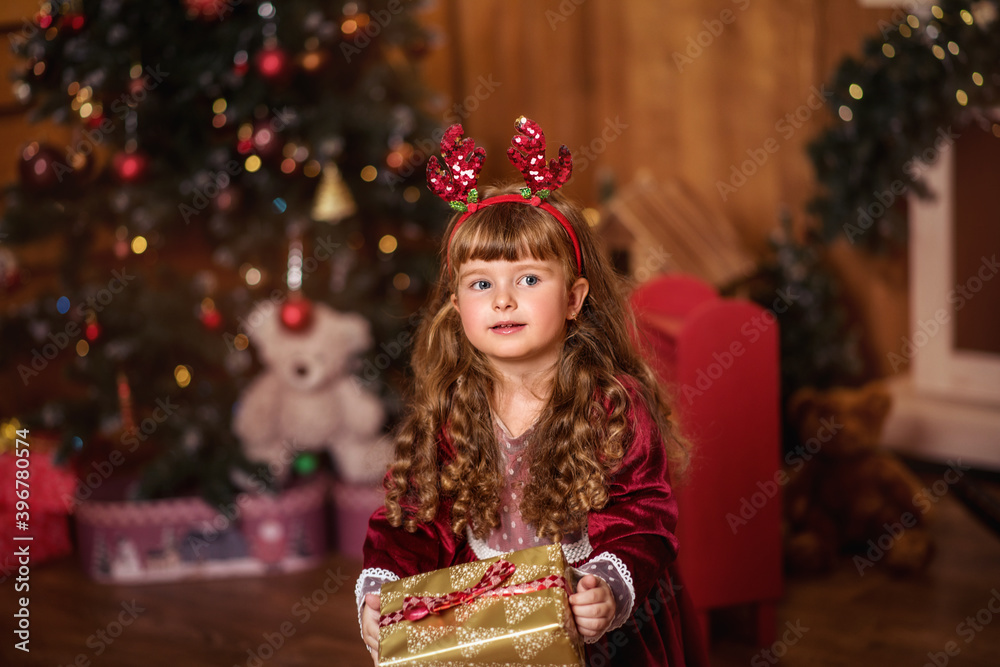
x=309, y=618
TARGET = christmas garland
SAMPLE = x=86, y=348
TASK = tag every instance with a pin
x=896, y=109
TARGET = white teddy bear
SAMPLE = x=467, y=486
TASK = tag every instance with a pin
x=306, y=399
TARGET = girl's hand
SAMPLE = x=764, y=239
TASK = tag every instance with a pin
x=369, y=625
x=593, y=606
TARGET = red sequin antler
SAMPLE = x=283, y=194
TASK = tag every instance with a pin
x=456, y=184
x=528, y=155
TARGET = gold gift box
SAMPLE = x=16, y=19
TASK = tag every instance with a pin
x=531, y=628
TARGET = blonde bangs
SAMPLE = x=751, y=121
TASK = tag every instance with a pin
x=512, y=232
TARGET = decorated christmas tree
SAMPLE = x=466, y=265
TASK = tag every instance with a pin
x=896, y=106
x=223, y=154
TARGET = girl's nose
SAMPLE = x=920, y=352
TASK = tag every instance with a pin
x=503, y=299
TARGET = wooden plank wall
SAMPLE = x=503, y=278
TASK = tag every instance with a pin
x=581, y=67
x=578, y=66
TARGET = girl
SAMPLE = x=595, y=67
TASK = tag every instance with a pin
x=534, y=420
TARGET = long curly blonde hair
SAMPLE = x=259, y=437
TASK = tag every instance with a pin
x=582, y=434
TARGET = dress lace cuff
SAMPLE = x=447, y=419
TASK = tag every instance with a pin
x=370, y=581
x=614, y=572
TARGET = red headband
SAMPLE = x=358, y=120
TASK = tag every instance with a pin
x=463, y=159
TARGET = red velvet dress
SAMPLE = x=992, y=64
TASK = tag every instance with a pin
x=631, y=539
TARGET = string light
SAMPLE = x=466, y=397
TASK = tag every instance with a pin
x=977, y=78
x=82, y=347
x=388, y=244
x=962, y=97
x=401, y=281
x=139, y=245
x=182, y=376
x=966, y=16
x=845, y=113
x=252, y=164
x=938, y=51
x=888, y=51
x=937, y=12
x=855, y=91
x=369, y=173
x=411, y=194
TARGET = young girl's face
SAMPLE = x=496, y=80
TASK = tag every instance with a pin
x=515, y=313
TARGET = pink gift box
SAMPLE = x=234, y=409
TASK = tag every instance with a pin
x=185, y=538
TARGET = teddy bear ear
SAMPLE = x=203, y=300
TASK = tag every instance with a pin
x=878, y=400
x=357, y=331
x=800, y=402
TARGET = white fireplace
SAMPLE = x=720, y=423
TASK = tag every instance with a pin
x=947, y=405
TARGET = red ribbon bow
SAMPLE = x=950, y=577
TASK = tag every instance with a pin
x=415, y=608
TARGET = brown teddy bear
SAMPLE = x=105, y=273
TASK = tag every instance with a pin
x=845, y=493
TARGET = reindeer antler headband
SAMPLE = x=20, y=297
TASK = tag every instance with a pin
x=456, y=181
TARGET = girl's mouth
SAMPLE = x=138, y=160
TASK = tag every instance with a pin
x=506, y=327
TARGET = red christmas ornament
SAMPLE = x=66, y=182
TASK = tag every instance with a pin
x=43, y=167
x=208, y=10
x=10, y=271
x=211, y=319
x=296, y=314
x=73, y=22
x=94, y=120
x=130, y=167
x=272, y=63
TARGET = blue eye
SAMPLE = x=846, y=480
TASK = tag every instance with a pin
x=531, y=281
x=481, y=285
